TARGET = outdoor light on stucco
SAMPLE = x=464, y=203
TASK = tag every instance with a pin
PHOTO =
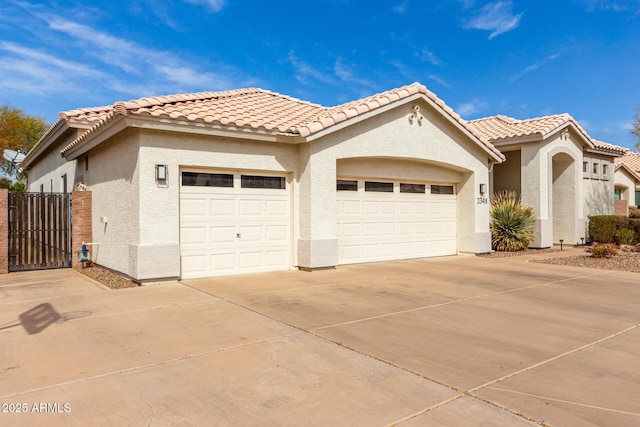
x=483, y=189
x=161, y=173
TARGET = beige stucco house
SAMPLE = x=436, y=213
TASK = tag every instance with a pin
x=627, y=182
x=557, y=168
x=248, y=180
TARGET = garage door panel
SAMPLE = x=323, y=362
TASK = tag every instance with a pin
x=405, y=229
x=223, y=234
x=388, y=208
x=195, y=264
x=222, y=207
x=277, y=233
x=251, y=260
x=193, y=208
x=351, y=229
x=250, y=233
x=276, y=208
x=351, y=207
x=388, y=229
x=223, y=262
x=194, y=235
x=276, y=258
x=405, y=208
x=248, y=207
x=370, y=207
x=370, y=229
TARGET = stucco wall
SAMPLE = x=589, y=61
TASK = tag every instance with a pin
x=599, y=189
x=113, y=178
x=507, y=176
x=538, y=186
x=51, y=166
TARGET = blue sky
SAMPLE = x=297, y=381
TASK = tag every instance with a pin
x=514, y=57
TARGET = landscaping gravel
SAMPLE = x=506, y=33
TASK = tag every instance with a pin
x=107, y=277
x=624, y=261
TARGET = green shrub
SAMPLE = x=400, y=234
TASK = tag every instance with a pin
x=602, y=228
x=511, y=223
x=634, y=213
x=603, y=250
x=634, y=224
x=626, y=236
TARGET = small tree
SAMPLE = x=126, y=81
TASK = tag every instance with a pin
x=18, y=131
x=635, y=130
x=511, y=223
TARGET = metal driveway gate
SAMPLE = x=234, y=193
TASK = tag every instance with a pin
x=39, y=231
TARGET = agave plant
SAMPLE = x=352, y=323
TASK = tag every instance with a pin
x=511, y=222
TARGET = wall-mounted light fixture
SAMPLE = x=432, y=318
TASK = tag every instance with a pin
x=161, y=173
x=483, y=189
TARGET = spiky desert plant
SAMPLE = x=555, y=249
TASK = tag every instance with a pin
x=512, y=222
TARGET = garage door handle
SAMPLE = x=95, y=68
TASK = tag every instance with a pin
x=238, y=235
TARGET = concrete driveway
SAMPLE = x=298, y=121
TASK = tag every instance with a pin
x=449, y=341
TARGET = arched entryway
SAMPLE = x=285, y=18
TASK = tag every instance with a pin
x=563, y=199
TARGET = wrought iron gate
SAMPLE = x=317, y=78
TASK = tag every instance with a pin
x=39, y=231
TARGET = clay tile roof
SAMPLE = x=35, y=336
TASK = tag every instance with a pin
x=605, y=146
x=254, y=108
x=502, y=127
x=631, y=162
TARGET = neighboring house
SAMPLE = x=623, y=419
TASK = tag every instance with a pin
x=627, y=182
x=557, y=168
x=247, y=180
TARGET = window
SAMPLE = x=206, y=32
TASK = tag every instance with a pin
x=379, y=187
x=605, y=169
x=42, y=188
x=198, y=179
x=617, y=193
x=86, y=162
x=585, y=167
x=442, y=189
x=254, y=181
x=595, y=169
x=346, y=185
x=637, y=198
x=413, y=188
x=63, y=179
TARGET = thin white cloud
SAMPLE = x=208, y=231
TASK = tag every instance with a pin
x=215, y=5
x=402, y=7
x=615, y=6
x=347, y=75
x=472, y=107
x=307, y=74
x=439, y=80
x=138, y=60
x=535, y=66
x=428, y=56
x=496, y=17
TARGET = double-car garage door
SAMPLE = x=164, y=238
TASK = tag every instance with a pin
x=240, y=222
x=384, y=220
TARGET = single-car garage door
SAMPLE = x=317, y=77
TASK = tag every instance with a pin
x=384, y=220
x=233, y=223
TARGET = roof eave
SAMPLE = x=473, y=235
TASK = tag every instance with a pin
x=120, y=123
x=56, y=130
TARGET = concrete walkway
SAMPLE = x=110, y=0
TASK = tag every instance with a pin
x=450, y=341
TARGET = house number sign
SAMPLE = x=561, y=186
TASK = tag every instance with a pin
x=482, y=201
